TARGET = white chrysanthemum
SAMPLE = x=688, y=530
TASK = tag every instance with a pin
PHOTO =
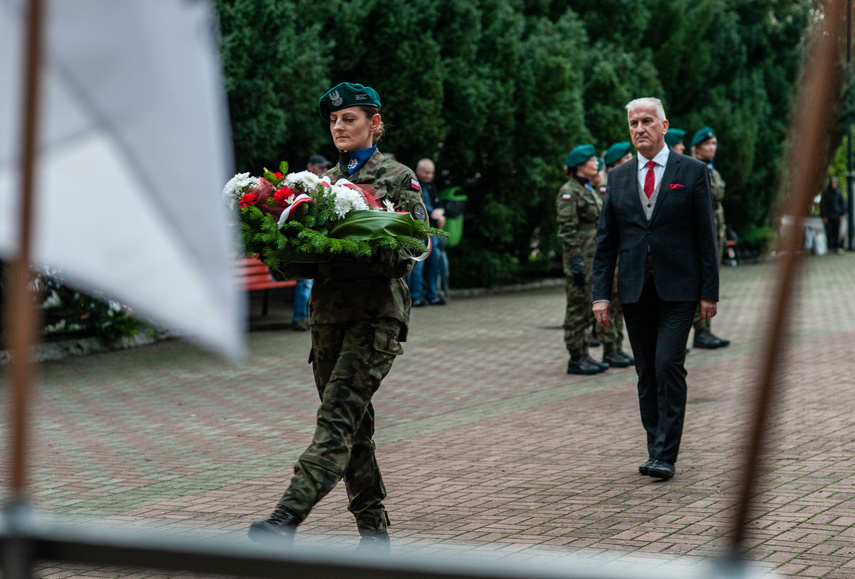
x=347, y=200
x=306, y=180
x=387, y=206
x=233, y=190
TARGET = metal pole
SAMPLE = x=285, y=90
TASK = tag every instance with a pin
x=807, y=163
x=20, y=309
x=850, y=173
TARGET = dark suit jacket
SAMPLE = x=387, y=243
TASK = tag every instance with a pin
x=680, y=234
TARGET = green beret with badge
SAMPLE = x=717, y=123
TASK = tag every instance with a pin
x=616, y=151
x=347, y=94
x=579, y=155
x=674, y=136
x=703, y=135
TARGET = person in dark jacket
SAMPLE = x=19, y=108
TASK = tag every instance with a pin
x=832, y=210
x=658, y=217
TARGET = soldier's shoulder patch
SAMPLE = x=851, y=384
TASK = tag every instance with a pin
x=566, y=196
x=415, y=185
x=420, y=212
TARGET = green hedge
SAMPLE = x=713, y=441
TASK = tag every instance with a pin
x=497, y=92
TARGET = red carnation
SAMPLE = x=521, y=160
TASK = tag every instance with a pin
x=278, y=175
x=247, y=199
x=280, y=196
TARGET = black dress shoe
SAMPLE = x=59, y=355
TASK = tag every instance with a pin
x=582, y=366
x=419, y=303
x=603, y=366
x=276, y=530
x=721, y=341
x=374, y=542
x=617, y=359
x=645, y=468
x=661, y=469
x=706, y=341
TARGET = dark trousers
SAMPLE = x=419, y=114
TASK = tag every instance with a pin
x=832, y=232
x=658, y=331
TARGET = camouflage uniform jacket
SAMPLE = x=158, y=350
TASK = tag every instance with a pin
x=348, y=289
x=578, y=212
x=717, y=190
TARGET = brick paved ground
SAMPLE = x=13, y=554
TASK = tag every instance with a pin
x=485, y=443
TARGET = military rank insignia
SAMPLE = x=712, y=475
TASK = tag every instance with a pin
x=352, y=164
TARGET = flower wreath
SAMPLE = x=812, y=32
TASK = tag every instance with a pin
x=301, y=217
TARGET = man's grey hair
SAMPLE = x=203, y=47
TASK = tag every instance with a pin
x=422, y=163
x=647, y=102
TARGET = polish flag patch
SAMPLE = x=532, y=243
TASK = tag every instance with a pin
x=415, y=185
x=565, y=196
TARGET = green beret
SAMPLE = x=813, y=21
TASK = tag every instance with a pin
x=579, y=155
x=347, y=94
x=674, y=136
x=702, y=135
x=600, y=164
x=617, y=151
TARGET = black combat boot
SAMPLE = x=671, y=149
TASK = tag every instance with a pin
x=705, y=341
x=617, y=359
x=580, y=365
x=603, y=366
x=722, y=342
x=374, y=542
x=277, y=530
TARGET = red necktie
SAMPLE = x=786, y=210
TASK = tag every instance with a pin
x=649, y=179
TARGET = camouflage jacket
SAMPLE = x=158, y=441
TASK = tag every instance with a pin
x=717, y=190
x=348, y=289
x=578, y=212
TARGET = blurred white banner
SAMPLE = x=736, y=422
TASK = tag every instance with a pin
x=134, y=151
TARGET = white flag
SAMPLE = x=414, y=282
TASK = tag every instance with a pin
x=134, y=150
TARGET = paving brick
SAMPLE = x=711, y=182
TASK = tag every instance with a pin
x=487, y=447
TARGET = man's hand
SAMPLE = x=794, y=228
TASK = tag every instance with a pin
x=438, y=215
x=601, y=312
x=708, y=309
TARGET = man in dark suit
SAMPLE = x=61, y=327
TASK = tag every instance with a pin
x=657, y=216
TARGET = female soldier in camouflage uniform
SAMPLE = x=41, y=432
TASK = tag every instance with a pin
x=704, y=146
x=578, y=208
x=358, y=316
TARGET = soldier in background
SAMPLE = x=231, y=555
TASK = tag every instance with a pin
x=578, y=209
x=674, y=139
x=704, y=146
x=358, y=316
x=612, y=337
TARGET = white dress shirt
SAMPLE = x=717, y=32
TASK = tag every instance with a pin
x=661, y=159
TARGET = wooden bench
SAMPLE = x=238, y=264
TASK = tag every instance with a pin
x=255, y=276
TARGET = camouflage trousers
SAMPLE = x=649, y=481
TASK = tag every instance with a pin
x=578, y=317
x=349, y=361
x=697, y=323
x=612, y=337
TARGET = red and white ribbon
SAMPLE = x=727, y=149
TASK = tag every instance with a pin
x=425, y=255
x=301, y=198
